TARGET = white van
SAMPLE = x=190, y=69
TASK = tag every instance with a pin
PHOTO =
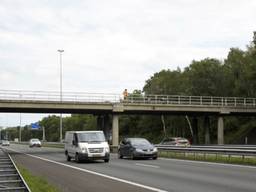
x=86, y=145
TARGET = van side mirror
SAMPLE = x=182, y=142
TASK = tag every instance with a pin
x=74, y=143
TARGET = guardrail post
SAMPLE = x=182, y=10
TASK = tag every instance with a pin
x=244, y=101
x=201, y=100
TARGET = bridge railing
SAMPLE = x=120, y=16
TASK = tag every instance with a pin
x=131, y=99
x=192, y=100
x=56, y=96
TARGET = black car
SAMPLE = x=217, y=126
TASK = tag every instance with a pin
x=136, y=148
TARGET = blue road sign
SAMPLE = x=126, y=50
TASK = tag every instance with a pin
x=35, y=125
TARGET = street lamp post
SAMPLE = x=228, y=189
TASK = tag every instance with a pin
x=20, y=129
x=60, y=51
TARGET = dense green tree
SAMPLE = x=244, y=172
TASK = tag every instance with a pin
x=166, y=82
x=205, y=78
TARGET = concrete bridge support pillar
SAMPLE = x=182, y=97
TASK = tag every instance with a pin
x=195, y=130
x=207, y=129
x=220, y=131
x=115, y=130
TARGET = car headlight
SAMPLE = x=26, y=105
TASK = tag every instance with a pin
x=138, y=150
x=84, y=150
x=155, y=149
x=107, y=149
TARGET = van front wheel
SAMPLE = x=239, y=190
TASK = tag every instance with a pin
x=106, y=160
x=77, y=158
x=68, y=157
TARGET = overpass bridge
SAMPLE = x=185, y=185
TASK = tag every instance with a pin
x=102, y=103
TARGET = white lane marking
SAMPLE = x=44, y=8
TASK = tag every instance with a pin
x=95, y=173
x=147, y=165
x=210, y=163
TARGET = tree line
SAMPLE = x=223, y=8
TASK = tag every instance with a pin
x=235, y=76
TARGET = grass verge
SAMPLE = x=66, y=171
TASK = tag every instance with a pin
x=36, y=183
x=246, y=160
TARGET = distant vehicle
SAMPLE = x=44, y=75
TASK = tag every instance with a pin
x=86, y=145
x=176, y=141
x=35, y=143
x=137, y=148
x=5, y=143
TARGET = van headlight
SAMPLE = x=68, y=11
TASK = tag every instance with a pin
x=84, y=150
x=155, y=149
x=107, y=149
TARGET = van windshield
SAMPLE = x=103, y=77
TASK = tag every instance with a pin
x=91, y=137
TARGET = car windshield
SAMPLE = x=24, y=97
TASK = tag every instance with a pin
x=34, y=140
x=139, y=141
x=91, y=137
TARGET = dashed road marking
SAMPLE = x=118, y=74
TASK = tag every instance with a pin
x=147, y=165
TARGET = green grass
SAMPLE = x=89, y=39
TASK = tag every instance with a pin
x=210, y=157
x=36, y=183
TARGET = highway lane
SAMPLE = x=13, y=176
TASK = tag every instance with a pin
x=169, y=175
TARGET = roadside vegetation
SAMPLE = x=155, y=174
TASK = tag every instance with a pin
x=36, y=183
x=234, y=76
x=217, y=158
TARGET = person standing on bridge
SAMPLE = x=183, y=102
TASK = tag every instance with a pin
x=125, y=94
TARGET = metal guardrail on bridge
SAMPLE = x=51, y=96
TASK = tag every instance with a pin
x=77, y=97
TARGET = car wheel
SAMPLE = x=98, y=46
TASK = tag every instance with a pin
x=155, y=158
x=133, y=156
x=77, y=158
x=119, y=155
x=106, y=160
x=68, y=157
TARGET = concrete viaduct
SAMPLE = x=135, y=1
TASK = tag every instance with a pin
x=114, y=104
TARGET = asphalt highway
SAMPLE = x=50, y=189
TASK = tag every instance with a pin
x=134, y=175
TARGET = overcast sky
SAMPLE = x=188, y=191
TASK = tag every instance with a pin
x=114, y=44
